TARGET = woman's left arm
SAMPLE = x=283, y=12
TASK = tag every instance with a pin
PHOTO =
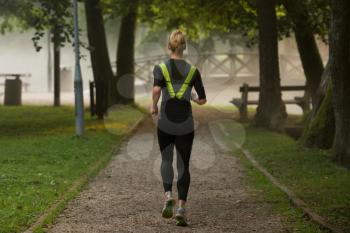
x=199, y=87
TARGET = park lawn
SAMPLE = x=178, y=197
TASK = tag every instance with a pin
x=40, y=158
x=310, y=173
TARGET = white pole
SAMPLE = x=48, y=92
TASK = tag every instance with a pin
x=78, y=83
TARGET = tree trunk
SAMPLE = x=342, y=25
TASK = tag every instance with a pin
x=49, y=61
x=125, y=58
x=57, y=71
x=311, y=61
x=320, y=127
x=271, y=111
x=307, y=47
x=101, y=65
x=320, y=130
x=322, y=90
x=339, y=63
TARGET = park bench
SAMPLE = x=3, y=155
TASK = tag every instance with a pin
x=243, y=102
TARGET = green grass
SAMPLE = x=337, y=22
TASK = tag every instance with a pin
x=40, y=158
x=310, y=173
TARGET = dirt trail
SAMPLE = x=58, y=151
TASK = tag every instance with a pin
x=127, y=196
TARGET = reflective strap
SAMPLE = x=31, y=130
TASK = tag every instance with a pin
x=166, y=75
x=184, y=86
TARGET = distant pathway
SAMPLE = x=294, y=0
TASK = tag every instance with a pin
x=127, y=196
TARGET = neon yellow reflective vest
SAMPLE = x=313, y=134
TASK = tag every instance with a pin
x=170, y=87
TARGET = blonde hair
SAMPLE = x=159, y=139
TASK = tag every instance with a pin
x=177, y=42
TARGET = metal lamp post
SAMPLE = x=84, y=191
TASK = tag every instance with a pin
x=78, y=83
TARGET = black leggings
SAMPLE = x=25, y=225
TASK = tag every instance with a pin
x=183, y=145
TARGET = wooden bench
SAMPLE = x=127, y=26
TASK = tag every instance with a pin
x=243, y=102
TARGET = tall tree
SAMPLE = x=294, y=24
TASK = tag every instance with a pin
x=339, y=61
x=307, y=46
x=101, y=65
x=314, y=17
x=320, y=127
x=271, y=112
x=56, y=65
x=42, y=15
x=125, y=56
x=54, y=16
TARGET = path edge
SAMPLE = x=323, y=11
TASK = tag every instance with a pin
x=44, y=220
x=296, y=201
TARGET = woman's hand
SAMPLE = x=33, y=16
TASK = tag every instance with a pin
x=154, y=110
x=194, y=98
x=155, y=97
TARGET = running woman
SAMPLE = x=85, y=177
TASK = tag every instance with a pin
x=174, y=80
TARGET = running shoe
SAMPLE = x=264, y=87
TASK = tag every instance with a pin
x=180, y=217
x=168, y=209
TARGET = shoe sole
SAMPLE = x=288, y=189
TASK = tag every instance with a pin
x=180, y=221
x=168, y=211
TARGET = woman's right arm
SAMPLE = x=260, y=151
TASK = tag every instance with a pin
x=157, y=89
x=155, y=98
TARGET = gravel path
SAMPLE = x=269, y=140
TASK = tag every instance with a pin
x=127, y=196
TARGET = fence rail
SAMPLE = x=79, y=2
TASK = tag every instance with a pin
x=228, y=65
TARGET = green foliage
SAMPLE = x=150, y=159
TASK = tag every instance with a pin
x=54, y=16
x=12, y=13
x=119, y=8
x=198, y=19
x=42, y=15
x=310, y=173
x=167, y=15
x=9, y=6
x=233, y=17
x=320, y=12
x=40, y=158
x=266, y=192
x=316, y=11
